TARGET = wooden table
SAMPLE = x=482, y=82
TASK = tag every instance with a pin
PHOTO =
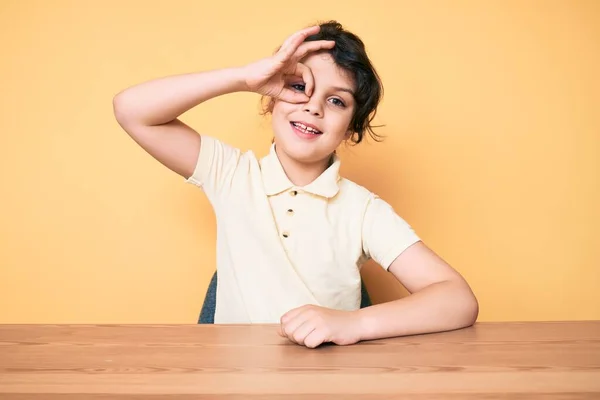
x=487, y=361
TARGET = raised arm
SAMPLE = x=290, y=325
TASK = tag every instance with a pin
x=148, y=112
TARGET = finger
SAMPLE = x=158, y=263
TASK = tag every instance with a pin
x=308, y=47
x=301, y=332
x=307, y=76
x=314, y=339
x=291, y=326
x=299, y=36
x=288, y=316
x=291, y=44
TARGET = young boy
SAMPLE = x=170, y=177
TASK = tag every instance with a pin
x=291, y=233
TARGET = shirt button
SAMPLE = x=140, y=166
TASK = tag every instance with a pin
x=285, y=234
x=290, y=212
x=294, y=192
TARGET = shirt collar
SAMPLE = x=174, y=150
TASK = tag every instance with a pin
x=276, y=181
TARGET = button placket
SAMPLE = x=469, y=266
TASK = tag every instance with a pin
x=289, y=213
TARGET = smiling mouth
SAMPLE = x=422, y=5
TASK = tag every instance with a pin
x=306, y=129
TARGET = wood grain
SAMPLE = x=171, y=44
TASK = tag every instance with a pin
x=552, y=360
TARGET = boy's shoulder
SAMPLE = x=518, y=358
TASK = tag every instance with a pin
x=350, y=190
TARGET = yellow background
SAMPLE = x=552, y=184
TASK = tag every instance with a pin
x=492, y=117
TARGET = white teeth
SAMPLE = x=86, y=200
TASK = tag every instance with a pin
x=308, y=129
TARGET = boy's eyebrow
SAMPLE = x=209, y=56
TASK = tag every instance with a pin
x=343, y=89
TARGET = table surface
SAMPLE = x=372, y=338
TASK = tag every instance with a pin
x=549, y=360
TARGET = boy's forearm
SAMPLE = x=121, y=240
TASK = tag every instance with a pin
x=440, y=307
x=164, y=99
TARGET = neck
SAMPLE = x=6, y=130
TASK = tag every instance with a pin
x=299, y=173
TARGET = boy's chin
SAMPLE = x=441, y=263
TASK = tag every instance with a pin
x=302, y=153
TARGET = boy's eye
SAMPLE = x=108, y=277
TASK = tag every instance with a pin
x=299, y=86
x=338, y=102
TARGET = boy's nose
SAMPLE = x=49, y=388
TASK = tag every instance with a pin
x=313, y=108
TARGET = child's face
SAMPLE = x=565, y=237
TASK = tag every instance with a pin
x=329, y=110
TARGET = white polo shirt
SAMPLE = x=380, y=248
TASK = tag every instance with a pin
x=281, y=246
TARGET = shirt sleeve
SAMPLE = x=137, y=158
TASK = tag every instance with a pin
x=385, y=234
x=215, y=167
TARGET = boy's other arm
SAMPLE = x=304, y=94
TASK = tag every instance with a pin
x=440, y=299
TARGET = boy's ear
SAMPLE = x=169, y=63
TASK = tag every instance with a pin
x=348, y=134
